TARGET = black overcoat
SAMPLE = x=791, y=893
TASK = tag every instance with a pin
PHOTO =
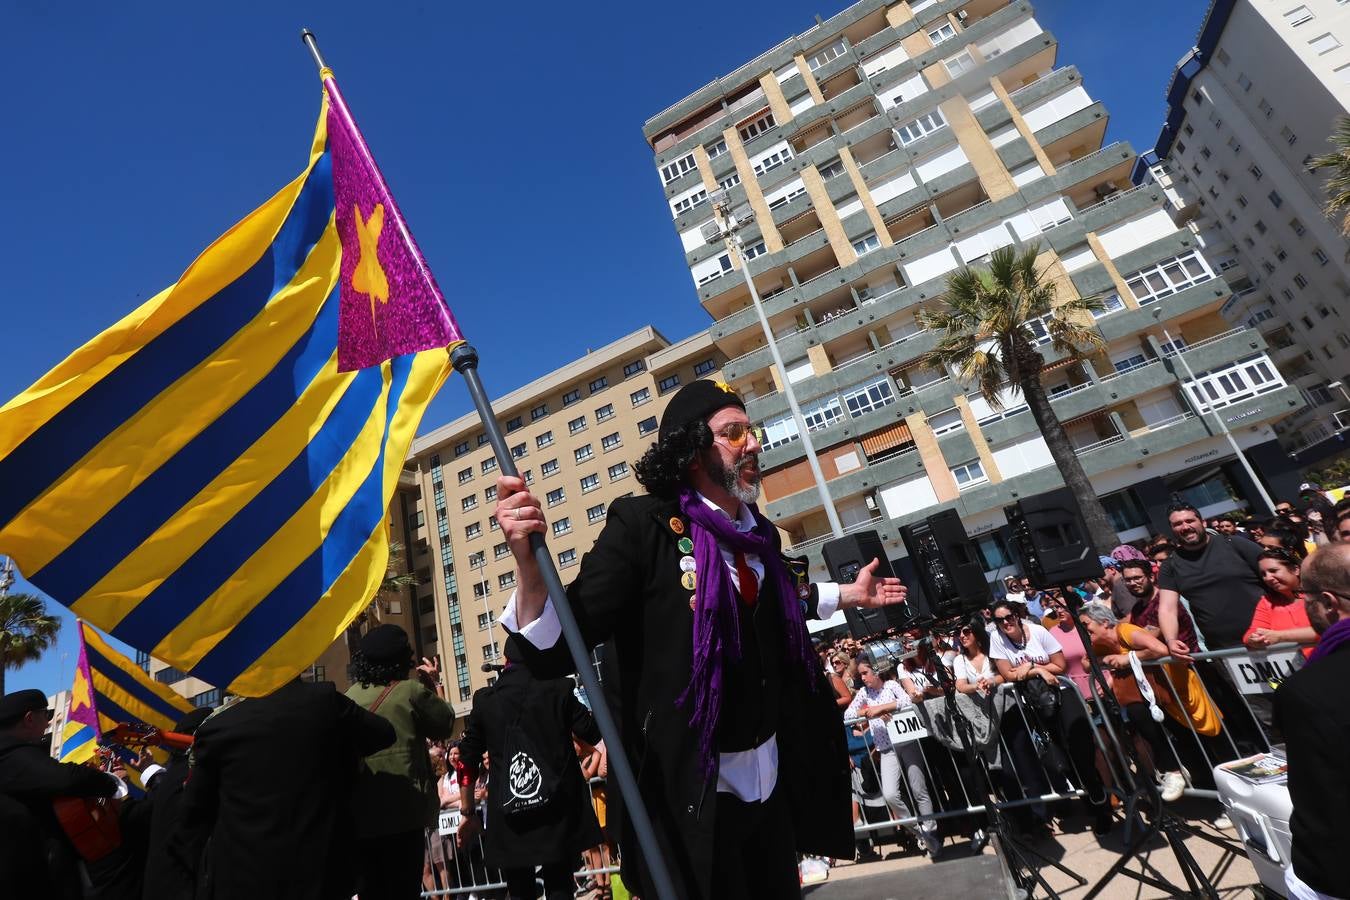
x=630, y=590
x=549, y=714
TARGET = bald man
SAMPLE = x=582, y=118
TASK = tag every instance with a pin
x=1312, y=707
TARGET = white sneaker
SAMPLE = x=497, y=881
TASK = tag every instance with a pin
x=1173, y=786
x=1223, y=823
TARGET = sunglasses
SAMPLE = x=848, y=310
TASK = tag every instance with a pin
x=967, y=630
x=1004, y=620
x=1283, y=510
x=737, y=434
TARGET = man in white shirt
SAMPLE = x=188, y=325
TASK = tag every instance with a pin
x=737, y=742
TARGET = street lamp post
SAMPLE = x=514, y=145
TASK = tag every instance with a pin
x=1223, y=426
x=487, y=609
x=729, y=225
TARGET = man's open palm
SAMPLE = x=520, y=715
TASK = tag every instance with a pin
x=869, y=591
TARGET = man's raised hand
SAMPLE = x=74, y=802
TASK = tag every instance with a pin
x=868, y=591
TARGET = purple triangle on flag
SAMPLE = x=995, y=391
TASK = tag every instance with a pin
x=389, y=302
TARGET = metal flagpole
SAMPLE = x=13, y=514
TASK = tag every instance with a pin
x=464, y=358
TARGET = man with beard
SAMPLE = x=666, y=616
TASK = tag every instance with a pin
x=1217, y=574
x=1312, y=712
x=724, y=710
x=1137, y=576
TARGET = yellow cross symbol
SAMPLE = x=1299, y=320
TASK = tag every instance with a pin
x=368, y=276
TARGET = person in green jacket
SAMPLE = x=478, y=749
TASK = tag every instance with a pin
x=395, y=798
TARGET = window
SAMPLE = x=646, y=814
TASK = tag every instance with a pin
x=599, y=384
x=518, y=451
x=1198, y=97
x=482, y=439
x=514, y=423
x=571, y=397
x=969, y=474
x=556, y=496
x=1260, y=227
x=640, y=396
x=634, y=367
x=1275, y=199
x=1224, y=59
x=501, y=550
x=549, y=468
x=959, y=64
x=1321, y=257
x=617, y=471
x=751, y=252
x=1322, y=310
x=670, y=382
x=1288, y=134
x=544, y=439
x=610, y=441
x=942, y=33
x=465, y=475
x=1234, y=383
x=755, y=127
x=506, y=580
x=1255, y=171
x=831, y=169
x=169, y=676
x=604, y=412
x=1168, y=277
x=595, y=513
x=684, y=204
x=1242, y=200
x=473, y=530
x=1287, y=294
x=562, y=526
x=538, y=412
x=925, y=124
x=489, y=465
x=590, y=483
x=679, y=167
x=870, y=397
x=1301, y=282
x=730, y=181
x=866, y=244
x=1244, y=82
x=1297, y=227
x=1206, y=152
x=567, y=558
x=821, y=57
x=772, y=161
x=647, y=426
x=583, y=453
x=1307, y=323
x=1189, y=129
x=1324, y=43
x=478, y=559
x=461, y=448
x=468, y=502
x=212, y=697
x=704, y=367
x=1298, y=15
x=724, y=262
x=716, y=148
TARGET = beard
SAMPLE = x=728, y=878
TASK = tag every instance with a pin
x=740, y=479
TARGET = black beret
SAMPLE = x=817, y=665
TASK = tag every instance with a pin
x=386, y=644
x=192, y=721
x=14, y=706
x=697, y=400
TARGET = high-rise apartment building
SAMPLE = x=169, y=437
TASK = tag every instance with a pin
x=1248, y=107
x=575, y=435
x=882, y=150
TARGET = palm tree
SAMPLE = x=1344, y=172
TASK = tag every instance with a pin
x=26, y=631
x=1338, y=184
x=983, y=334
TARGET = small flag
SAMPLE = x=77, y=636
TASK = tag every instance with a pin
x=203, y=481
x=80, y=736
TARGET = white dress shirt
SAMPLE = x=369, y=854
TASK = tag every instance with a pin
x=748, y=775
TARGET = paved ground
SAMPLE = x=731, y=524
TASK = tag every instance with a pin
x=1075, y=847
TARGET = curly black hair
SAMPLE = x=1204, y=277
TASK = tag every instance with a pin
x=366, y=673
x=664, y=469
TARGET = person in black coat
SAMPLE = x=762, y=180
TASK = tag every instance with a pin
x=166, y=878
x=271, y=781
x=732, y=730
x=521, y=714
x=1312, y=709
x=36, y=858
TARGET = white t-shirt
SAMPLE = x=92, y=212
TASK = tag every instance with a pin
x=890, y=691
x=1040, y=645
x=963, y=669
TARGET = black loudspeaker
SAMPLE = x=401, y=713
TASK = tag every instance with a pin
x=1051, y=538
x=844, y=557
x=948, y=565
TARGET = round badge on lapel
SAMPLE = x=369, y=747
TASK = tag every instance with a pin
x=677, y=524
x=687, y=564
x=692, y=602
x=685, y=545
x=687, y=581
x=803, y=592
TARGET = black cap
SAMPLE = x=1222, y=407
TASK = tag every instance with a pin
x=386, y=644
x=15, y=706
x=697, y=400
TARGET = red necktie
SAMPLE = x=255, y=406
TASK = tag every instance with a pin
x=749, y=582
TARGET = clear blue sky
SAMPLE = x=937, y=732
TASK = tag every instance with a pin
x=511, y=134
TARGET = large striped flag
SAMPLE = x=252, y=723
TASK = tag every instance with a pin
x=202, y=480
x=111, y=690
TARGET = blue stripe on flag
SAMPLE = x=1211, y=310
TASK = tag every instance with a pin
x=162, y=495
x=81, y=425
x=296, y=595
x=101, y=665
x=73, y=741
x=109, y=709
x=179, y=595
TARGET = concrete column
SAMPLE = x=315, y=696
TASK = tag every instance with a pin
x=939, y=474
x=773, y=241
x=773, y=91
x=809, y=78
x=1021, y=125
x=829, y=217
x=1100, y=252
x=898, y=14
x=977, y=438
x=865, y=196
x=993, y=175
x=705, y=169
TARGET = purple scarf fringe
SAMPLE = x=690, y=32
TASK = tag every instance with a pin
x=1332, y=639
x=717, y=617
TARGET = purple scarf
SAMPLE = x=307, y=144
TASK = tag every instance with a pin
x=1332, y=639
x=717, y=618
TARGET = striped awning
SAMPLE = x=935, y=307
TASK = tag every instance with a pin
x=887, y=438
